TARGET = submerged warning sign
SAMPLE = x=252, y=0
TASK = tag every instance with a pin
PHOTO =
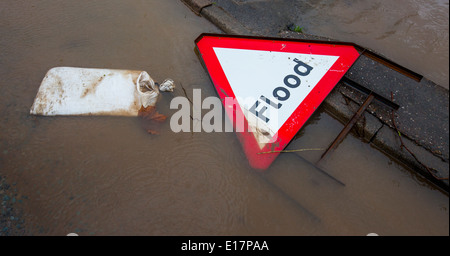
x=276, y=83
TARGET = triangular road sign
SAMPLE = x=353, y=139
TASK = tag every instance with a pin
x=272, y=85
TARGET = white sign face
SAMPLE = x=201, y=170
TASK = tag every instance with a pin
x=281, y=80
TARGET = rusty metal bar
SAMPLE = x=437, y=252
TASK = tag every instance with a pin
x=348, y=127
x=363, y=51
x=394, y=66
x=380, y=99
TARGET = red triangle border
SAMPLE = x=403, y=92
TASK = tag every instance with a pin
x=347, y=56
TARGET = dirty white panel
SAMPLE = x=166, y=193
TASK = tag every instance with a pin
x=82, y=91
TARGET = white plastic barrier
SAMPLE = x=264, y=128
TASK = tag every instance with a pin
x=91, y=91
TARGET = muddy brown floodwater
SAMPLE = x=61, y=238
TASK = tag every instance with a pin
x=108, y=176
x=413, y=33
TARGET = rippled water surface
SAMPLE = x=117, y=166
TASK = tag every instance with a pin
x=413, y=33
x=107, y=176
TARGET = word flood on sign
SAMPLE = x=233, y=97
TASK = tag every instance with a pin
x=285, y=94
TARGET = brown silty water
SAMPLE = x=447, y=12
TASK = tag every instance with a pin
x=413, y=33
x=108, y=176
